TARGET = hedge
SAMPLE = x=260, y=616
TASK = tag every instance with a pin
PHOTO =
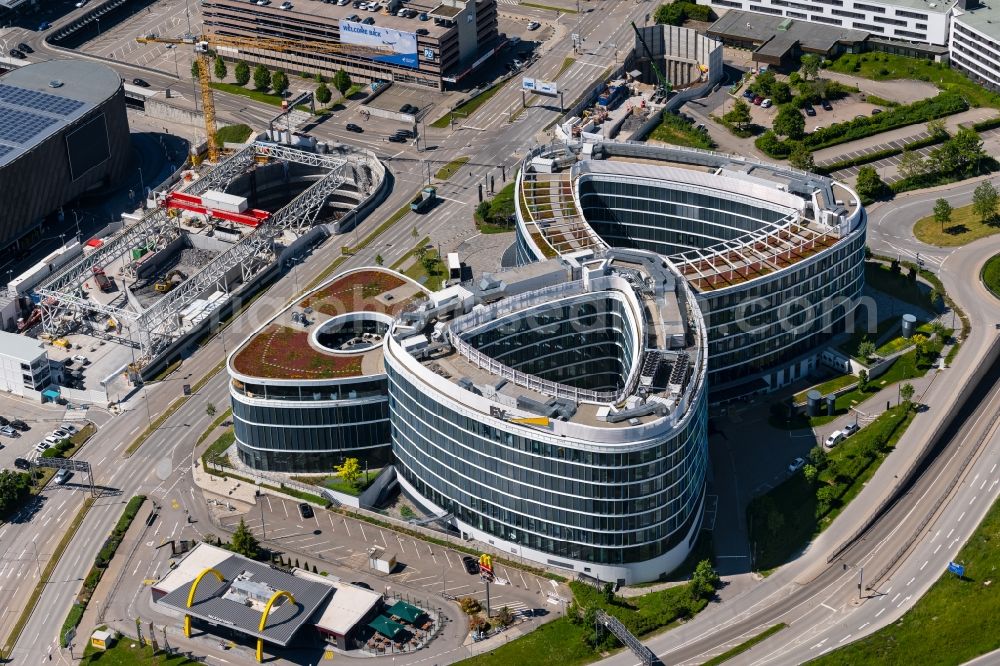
x=879, y=154
x=987, y=124
x=944, y=104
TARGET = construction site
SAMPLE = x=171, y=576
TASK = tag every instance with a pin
x=158, y=280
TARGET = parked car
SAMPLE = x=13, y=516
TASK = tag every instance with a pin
x=396, y=138
x=80, y=3
x=471, y=565
x=60, y=433
x=534, y=25
x=21, y=46
x=369, y=21
x=62, y=476
x=810, y=110
x=757, y=100
x=421, y=31
x=52, y=439
x=21, y=463
x=836, y=437
x=748, y=94
x=766, y=104
x=850, y=429
x=20, y=425
x=405, y=108
x=796, y=465
x=41, y=446
x=285, y=5
x=305, y=510
x=69, y=427
x=4, y=421
x=44, y=25
x=7, y=431
x=358, y=583
x=142, y=83
x=14, y=53
x=351, y=127
x=826, y=105
x=875, y=112
x=424, y=17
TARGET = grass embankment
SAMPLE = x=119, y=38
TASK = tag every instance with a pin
x=827, y=387
x=566, y=64
x=965, y=226
x=256, y=95
x=990, y=275
x=550, y=8
x=746, y=645
x=955, y=621
x=124, y=654
x=233, y=134
x=674, y=129
x=214, y=455
x=572, y=640
x=101, y=562
x=428, y=271
x=785, y=519
x=499, y=213
x=467, y=108
x=334, y=482
x=884, y=66
x=451, y=168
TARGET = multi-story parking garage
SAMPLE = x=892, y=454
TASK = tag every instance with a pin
x=775, y=255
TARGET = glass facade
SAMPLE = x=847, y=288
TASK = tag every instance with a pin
x=291, y=433
x=586, y=343
x=583, y=502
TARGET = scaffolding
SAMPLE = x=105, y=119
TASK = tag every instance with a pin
x=152, y=329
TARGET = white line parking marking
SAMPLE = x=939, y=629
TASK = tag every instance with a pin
x=828, y=607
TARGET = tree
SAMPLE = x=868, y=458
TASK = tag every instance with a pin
x=781, y=93
x=810, y=472
x=817, y=457
x=936, y=128
x=323, y=94
x=809, y=66
x=242, y=73
x=342, y=81
x=195, y=68
x=764, y=84
x=920, y=344
x=13, y=490
x=279, y=81
x=941, y=332
x=866, y=349
x=505, y=617
x=221, y=71
x=789, y=122
x=261, y=78
x=210, y=409
x=863, y=380
x=868, y=184
x=704, y=580
x=319, y=78
x=985, y=200
x=906, y=392
x=244, y=542
x=801, y=157
x=350, y=471
x=912, y=165
x=379, y=260
x=739, y=115
x=609, y=593
x=968, y=147
x=942, y=212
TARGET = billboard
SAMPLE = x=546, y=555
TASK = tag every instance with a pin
x=402, y=44
x=539, y=86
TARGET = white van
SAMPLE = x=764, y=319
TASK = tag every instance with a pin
x=836, y=437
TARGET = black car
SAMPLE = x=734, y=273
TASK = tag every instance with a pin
x=826, y=105
x=405, y=108
x=810, y=111
x=24, y=47
x=4, y=421
x=397, y=138
x=369, y=21
x=305, y=510
x=414, y=109
x=358, y=583
x=14, y=53
x=140, y=82
x=406, y=133
x=20, y=425
x=471, y=565
x=21, y=463
x=351, y=127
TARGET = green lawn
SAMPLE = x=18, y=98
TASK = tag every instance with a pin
x=233, y=134
x=451, y=168
x=123, y=654
x=850, y=348
x=566, y=64
x=557, y=642
x=334, y=482
x=955, y=621
x=785, y=519
x=990, y=275
x=965, y=226
x=548, y=7
x=256, y=95
x=434, y=279
x=466, y=109
x=883, y=66
x=214, y=454
x=827, y=387
x=674, y=129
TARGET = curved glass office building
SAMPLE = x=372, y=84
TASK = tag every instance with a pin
x=565, y=423
x=308, y=388
x=775, y=255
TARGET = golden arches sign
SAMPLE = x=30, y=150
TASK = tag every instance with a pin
x=190, y=599
x=263, y=619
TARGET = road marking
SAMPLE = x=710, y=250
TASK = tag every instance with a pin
x=953, y=543
x=137, y=565
x=938, y=548
x=974, y=479
x=993, y=485
x=960, y=517
x=973, y=499
x=949, y=533
x=828, y=607
x=985, y=481
x=936, y=535
x=924, y=564
x=346, y=527
x=882, y=610
x=907, y=598
x=864, y=625
x=820, y=644
x=910, y=581
x=844, y=638
x=895, y=597
x=993, y=469
x=363, y=535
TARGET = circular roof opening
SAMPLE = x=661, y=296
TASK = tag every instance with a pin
x=352, y=333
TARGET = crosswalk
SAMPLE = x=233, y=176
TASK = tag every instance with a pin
x=508, y=2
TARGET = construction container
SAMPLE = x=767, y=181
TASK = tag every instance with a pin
x=229, y=203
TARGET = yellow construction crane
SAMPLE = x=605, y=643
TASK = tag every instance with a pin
x=208, y=41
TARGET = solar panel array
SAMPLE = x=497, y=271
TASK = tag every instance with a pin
x=20, y=126
x=39, y=101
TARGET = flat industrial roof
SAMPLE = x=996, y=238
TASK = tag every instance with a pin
x=761, y=28
x=982, y=18
x=39, y=99
x=20, y=346
x=346, y=608
x=212, y=605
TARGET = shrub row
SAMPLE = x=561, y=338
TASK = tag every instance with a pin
x=879, y=155
x=987, y=124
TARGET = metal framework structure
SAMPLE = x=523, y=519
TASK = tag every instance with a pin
x=605, y=621
x=153, y=328
x=71, y=464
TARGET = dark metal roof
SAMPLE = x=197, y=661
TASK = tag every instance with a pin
x=764, y=29
x=283, y=621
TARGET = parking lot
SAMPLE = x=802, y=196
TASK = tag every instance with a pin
x=844, y=109
x=336, y=540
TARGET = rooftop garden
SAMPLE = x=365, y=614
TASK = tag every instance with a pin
x=282, y=352
x=356, y=292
